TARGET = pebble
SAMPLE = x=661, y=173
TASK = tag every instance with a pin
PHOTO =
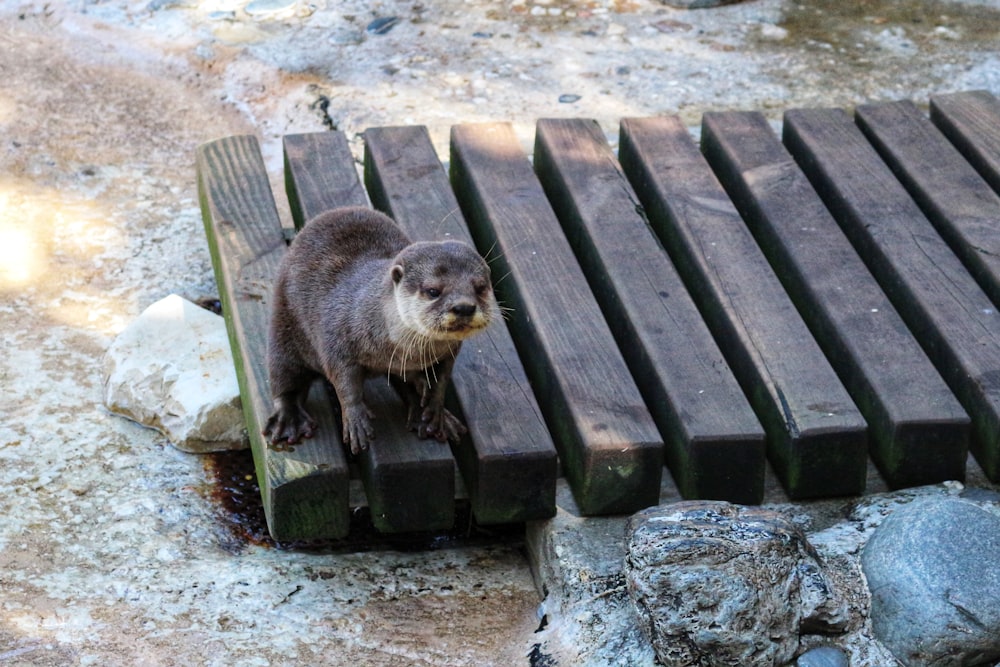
x=824, y=656
x=774, y=33
x=698, y=4
x=382, y=25
x=568, y=98
x=259, y=8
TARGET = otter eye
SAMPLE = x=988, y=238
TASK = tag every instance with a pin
x=482, y=290
x=432, y=292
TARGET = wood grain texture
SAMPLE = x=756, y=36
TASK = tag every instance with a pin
x=410, y=483
x=963, y=207
x=971, y=120
x=919, y=430
x=304, y=488
x=508, y=460
x=817, y=439
x=611, y=451
x=715, y=444
x=952, y=318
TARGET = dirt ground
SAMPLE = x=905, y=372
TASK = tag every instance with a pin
x=111, y=550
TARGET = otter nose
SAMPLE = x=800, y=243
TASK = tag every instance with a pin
x=464, y=309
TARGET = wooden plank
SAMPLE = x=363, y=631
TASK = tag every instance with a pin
x=715, y=444
x=955, y=322
x=971, y=120
x=607, y=441
x=304, y=488
x=508, y=461
x=919, y=432
x=817, y=439
x=410, y=483
x=963, y=207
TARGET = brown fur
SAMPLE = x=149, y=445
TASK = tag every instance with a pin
x=354, y=297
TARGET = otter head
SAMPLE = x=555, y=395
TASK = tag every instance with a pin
x=442, y=290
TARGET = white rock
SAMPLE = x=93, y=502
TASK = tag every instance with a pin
x=172, y=370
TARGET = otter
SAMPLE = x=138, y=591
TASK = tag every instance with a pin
x=354, y=297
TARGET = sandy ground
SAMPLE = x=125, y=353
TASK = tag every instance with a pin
x=112, y=550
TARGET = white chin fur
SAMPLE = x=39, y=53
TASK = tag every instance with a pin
x=411, y=316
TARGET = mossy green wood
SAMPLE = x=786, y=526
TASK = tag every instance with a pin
x=508, y=460
x=610, y=449
x=715, y=444
x=817, y=438
x=304, y=488
x=955, y=322
x=971, y=120
x=410, y=483
x=919, y=431
x=963, y=207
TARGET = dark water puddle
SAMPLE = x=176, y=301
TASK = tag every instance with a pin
x=235, y=491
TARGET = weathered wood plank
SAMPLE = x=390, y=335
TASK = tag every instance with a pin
x=963, y=207
x=305, y=488
x=715, y=444
x=971, y=120
x=508, y=460
x=919, y=432
x=817, y=439
x=955, y=322
x=611, y=451
x=410, y=483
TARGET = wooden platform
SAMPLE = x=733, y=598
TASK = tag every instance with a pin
x=810, y=302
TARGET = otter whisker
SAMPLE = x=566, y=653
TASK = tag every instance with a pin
x=500, y=254
x=489, y=251
x=388, y=373
x=501, y=279
x=448, y=215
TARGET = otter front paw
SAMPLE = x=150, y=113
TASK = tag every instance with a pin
x=289, y=424
x=440, y=424
x=358, y=429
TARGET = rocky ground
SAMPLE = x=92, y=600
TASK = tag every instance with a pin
x=112, y=549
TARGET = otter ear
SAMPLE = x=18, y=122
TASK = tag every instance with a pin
x=397, y=273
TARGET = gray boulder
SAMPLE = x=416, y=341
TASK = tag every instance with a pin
x=934, y=574
x=719, y=584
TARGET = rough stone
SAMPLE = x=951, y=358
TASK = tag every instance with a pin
x=586, y=617
x=935, y=583
x=172, y=369
x=720, y=584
